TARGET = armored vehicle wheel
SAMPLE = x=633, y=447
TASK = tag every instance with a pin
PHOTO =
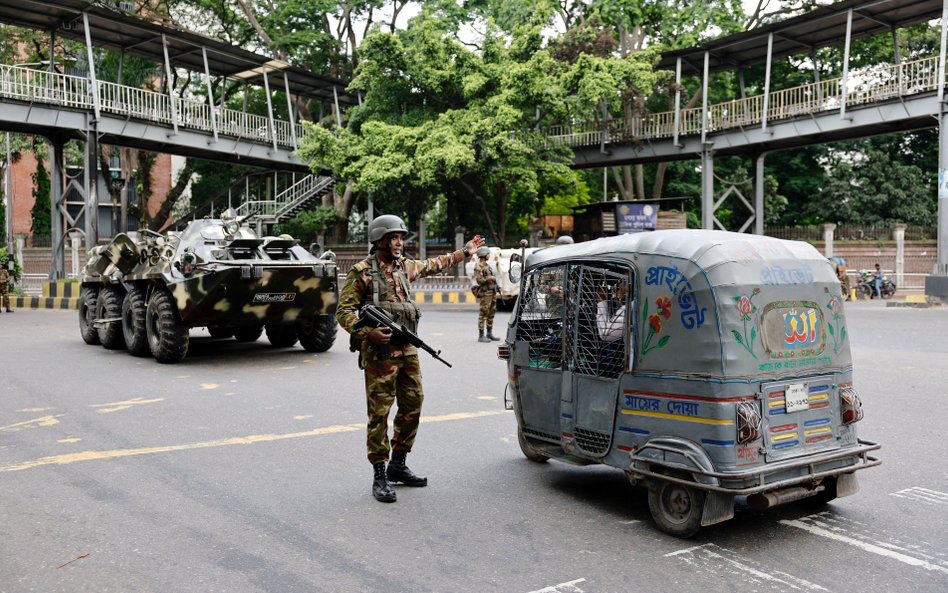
x=87, y=302
x=675, y=508
x=167, y=336
x=281, y=336
x=317, y=334
x=220, y=332
x=528, y=451
x=248, y=334
x=133, y=323
x=109, y=306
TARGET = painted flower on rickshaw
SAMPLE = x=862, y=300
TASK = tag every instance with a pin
x=835, y=327
x=746, y=308
x=654, y=321
x=665, y=304
x=835, y=305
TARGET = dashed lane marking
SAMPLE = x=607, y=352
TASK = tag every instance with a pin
x=568, y=587
x=824, y=525
x=919, y=494
x=719, y=561
x=119, y=406
x=245, y=440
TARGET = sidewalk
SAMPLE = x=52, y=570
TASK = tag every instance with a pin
x=65, y=295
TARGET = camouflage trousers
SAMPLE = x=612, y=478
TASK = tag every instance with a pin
x=487, y=311
x=4, y=296
x=391, y=381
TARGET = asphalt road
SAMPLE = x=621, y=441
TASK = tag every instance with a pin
x=243, y=470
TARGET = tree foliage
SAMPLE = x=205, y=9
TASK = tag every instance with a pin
x=41, y=212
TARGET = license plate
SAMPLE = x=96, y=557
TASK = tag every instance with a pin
x=797, y=397
x=274, y=297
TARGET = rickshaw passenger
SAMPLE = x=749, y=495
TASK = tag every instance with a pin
x=610, y=315
x=612, y=329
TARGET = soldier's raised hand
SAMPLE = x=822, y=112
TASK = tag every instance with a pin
x=472, y=246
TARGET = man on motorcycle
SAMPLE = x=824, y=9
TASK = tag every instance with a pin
x=879, y=279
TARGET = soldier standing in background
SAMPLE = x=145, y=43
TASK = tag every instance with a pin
x=487, y=296
x=392, y=371
x=5, y=289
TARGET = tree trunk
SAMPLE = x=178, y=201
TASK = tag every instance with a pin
x=639, y=182
x=342, y=205
x=503, y=196
x=477, y=196
x=164, y=211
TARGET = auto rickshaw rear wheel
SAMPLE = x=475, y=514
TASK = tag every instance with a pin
x=675, y=508
x=528, y=450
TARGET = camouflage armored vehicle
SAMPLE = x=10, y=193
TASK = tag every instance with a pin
x=145, y=290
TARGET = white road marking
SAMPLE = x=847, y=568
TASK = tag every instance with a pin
x=816, y=525
x=922, y=495
x=715, y=559
x=125, y=405
x=568, y=587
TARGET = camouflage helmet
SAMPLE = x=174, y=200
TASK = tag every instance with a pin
x=385, y=224
x=564, y=240
x=483, y=252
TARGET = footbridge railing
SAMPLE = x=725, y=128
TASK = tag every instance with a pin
x=77, y=92
x=288, y=202
x=870, y=85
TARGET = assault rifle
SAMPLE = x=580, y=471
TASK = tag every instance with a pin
x=372, y=316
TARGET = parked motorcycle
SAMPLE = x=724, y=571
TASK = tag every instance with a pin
x=867, y=285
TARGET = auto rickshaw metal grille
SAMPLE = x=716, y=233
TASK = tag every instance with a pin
x=597, y=321
x=541, y=435
x=592, y=442
x=540, y=321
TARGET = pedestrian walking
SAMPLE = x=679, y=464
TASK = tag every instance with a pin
x=487, y=296
x=392, y=371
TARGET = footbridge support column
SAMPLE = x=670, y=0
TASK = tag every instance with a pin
x=57, y=201
x=707, y=189
x=936, y=284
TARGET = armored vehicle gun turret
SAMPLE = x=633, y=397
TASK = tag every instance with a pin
x=144, y=290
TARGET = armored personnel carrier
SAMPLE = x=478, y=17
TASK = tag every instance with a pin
x=144, y=290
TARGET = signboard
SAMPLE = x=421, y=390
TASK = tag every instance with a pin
x=631, y=218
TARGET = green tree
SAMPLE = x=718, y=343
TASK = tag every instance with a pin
x=41, y=212
x=439, y=119
x=307, y=225
x=866, y=187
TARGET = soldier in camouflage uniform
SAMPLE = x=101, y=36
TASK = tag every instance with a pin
x=392, y=371
x=487, y=295
x=5, y=290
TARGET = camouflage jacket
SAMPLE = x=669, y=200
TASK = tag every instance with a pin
x=358, y=290
x=4, y=277
x=485, y=279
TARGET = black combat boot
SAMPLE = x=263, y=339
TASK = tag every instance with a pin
x=481, y=337
x=398, y=472
x=490, y=336
x=381, y=489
